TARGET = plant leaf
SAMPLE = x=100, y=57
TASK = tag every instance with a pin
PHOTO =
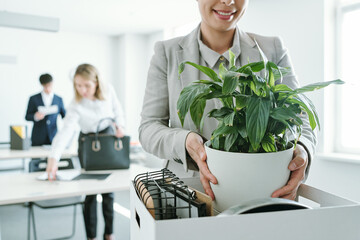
x=268, y=143
x=215, y=143
x=223, y=130
x=230, y=82
x=263, y=56
x=187, y=97
x=242, y=131
x=222, y=71
x=254, y=67
x=312, y=108
x=257, y=116
x=303, y=105
x=197, y=111
x=220, y=113
x=282, y=88
x=271, y=78
x=232, y=59
x=208, y=71
x=230, y=140
x=285, y=114
x=241, y=101
x=316, y=86
x=280, y=72
x=229, y=119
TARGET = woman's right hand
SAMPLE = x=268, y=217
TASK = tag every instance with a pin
x=51, y=168
x=195, y=147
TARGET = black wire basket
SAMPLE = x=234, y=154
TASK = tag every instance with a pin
x=166, y=196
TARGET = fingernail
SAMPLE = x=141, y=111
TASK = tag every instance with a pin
x=292, y=166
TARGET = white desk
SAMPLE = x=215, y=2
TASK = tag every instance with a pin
x=24, y=187
x=34, y=152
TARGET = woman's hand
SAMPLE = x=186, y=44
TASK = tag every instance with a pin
x=51, y=168
x=195, y=148
x=297, y=167
x=119, y=132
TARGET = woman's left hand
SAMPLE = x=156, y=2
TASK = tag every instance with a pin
x=119, y=131
x=297, y=167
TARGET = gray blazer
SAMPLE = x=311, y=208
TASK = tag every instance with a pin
x=160, y=130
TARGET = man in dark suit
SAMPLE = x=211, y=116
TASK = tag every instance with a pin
x=43, y=109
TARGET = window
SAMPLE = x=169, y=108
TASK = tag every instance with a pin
x=347, y=133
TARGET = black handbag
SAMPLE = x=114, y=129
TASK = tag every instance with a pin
x=104, y=151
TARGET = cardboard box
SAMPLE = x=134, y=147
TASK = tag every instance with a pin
x=332, y=218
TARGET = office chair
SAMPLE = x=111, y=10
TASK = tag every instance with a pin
x=36, y=165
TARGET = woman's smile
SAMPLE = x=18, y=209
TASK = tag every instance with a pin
x=224, y=15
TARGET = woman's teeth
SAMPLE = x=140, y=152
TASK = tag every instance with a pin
x=224, y=13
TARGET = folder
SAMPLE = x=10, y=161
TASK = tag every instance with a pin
x=18, y=138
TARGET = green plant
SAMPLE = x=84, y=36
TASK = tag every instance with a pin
x=256, y=113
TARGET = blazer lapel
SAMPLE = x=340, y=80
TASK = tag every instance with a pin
x=41, y=102
x=54, y=100
x=189, y=52
x=249, y=51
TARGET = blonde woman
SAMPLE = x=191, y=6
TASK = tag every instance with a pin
x=93, y=101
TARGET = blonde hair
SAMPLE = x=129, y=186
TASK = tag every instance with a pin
x=89, y=72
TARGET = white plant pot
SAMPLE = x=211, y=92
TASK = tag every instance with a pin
x=246, y=176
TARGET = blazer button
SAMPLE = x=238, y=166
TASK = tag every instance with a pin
x=48, y=122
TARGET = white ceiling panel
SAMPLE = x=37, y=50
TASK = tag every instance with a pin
x=110, y=17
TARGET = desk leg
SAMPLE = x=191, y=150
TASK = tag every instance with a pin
x=31, y=218
x=29, y=222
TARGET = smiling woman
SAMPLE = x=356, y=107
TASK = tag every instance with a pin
x=161, y=132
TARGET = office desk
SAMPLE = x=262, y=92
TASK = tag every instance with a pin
x=24, y=187
x=34, y=152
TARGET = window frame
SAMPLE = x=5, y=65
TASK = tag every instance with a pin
x=341, y=11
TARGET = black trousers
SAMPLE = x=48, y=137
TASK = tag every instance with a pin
x=90, y=206
x=90, y=214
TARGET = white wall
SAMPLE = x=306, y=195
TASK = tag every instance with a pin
x=122, y=61
x=134, y=53
x=39, y=52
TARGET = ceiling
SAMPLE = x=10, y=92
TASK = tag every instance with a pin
x=110, y=17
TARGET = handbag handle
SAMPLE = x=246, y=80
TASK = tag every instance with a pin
x=96, y=144
x=101, y=120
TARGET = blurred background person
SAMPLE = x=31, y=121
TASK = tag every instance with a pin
x=43, y=109
x=93, y=101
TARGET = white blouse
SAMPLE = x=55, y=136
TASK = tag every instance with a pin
x=86, y=114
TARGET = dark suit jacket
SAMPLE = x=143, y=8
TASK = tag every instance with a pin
x=44, y=130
